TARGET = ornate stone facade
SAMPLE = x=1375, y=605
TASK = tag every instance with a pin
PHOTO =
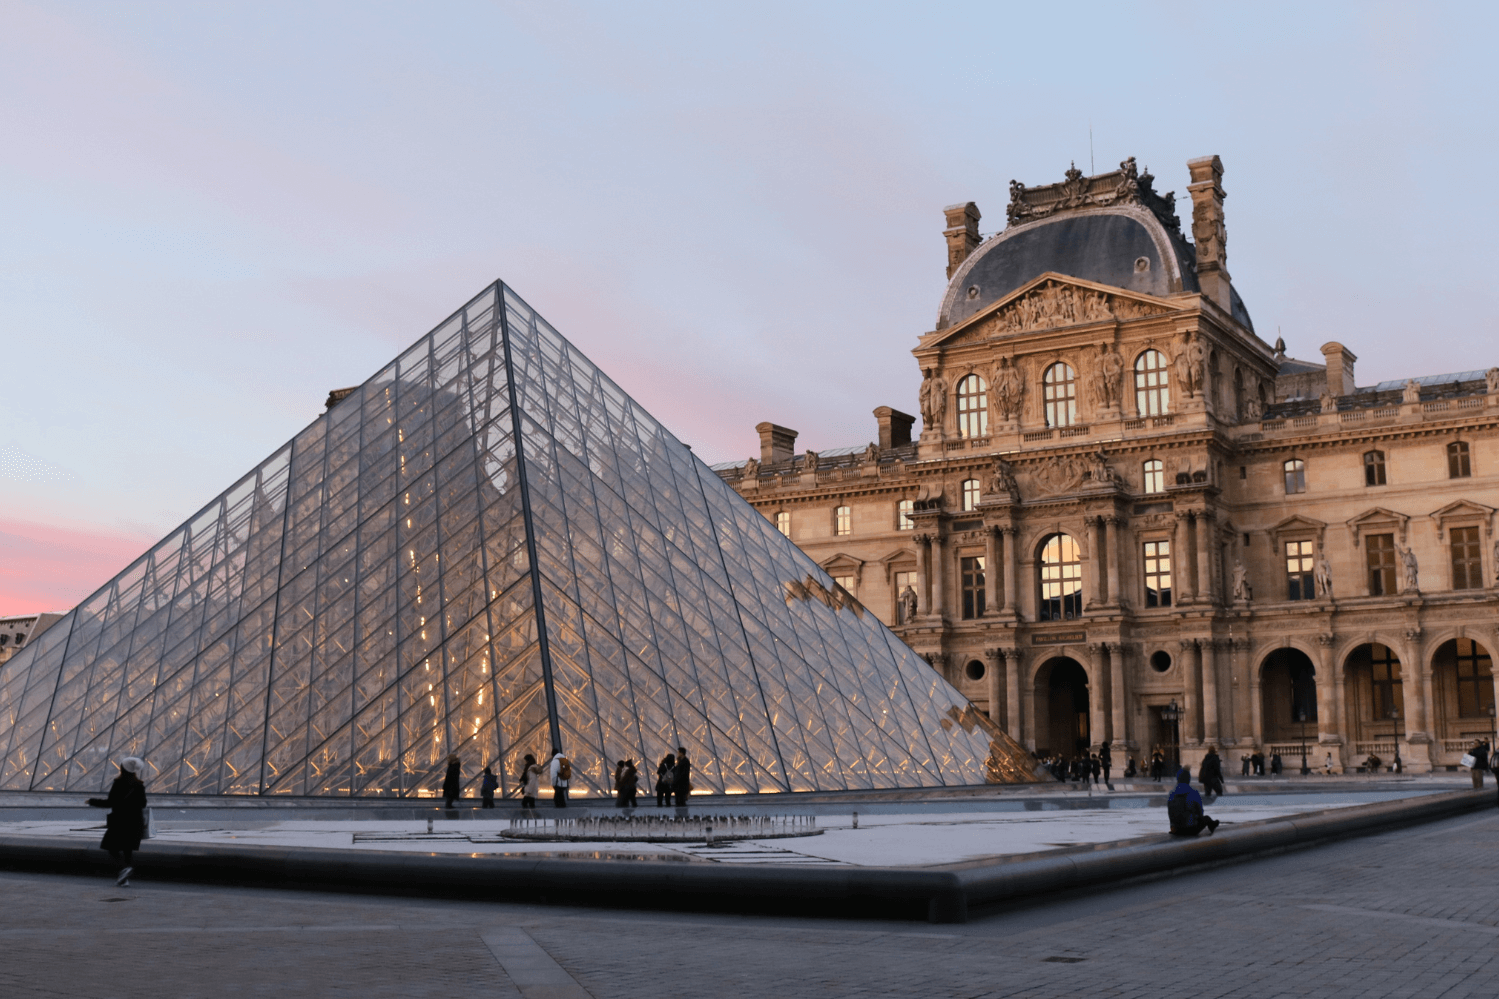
x=1158, y=508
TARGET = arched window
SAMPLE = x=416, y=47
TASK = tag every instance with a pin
x=1152, y=389
x=903, y=511
x=1295, y=470
x=783, y=522
x=1059, y=390
x=1373, y=468
x=1061, y=579
x=1458, y=464
x=970, y=494
x=973, y=407
x=1155, y=476
x=843, y=521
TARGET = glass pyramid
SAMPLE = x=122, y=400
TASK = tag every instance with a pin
x=487, y=549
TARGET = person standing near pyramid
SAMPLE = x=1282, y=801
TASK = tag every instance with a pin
x=664, y=771
x=451, y=789
x=126, y=822
x=681, y=777
x=562, y=775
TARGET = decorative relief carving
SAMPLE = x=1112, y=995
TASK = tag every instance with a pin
x=1060, y=475
x=933, y=398
x=1189, y=361
x=1411, y=392
x=1107, y=382
x=1101, y=472
x=1125, y=186
x=1002, y=481
x=1054, y=304
x=751, y=470
x=1006, y=387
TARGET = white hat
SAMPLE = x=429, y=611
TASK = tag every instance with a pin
x=134, y=764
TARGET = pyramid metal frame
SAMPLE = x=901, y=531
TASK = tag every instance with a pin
x=487, y=549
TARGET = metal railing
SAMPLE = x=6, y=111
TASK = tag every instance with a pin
x=663, y=828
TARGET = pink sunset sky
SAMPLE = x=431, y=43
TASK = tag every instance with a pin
x=214, y=213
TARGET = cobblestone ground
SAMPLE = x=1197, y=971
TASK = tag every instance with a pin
x=1410, y=913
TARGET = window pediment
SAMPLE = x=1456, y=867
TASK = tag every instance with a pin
x=1463, y=513
x=1379, y=521
x=1299, y=527
x=841, y=564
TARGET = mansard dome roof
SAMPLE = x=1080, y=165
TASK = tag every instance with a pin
x=1112, y=228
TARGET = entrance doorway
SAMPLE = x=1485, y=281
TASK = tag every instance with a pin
x=1288, y=693
x=1066, y=686
x=1165, y=738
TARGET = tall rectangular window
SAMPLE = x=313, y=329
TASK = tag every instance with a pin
x=1379, y=550
x=971, y=494
x=1374, y=468
x=972, y=568
x=843, y=521
x=1385, y=672
x=1059, y=392
x=1295, y=470
x=1475, y=680
x=847, y=582
x=783, y=522
x=903, y=582
x=1301, y=582
x=1155, y=476
x=903, y=511
x=1458, y=464
x=1157, y=574
x=1467, y=559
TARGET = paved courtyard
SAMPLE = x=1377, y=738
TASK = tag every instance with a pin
x=1409, y=913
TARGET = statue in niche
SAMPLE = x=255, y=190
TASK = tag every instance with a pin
x=1006, y=386
x=933, y=398
x=1003, y=481
x=1322, y=573
x=1412, y=391
x=1110, y=372
x=1491, y=378
x=1409, y=570
x=751, y=469
x=1242, y=589
x=907, y=605
x=1188, y=365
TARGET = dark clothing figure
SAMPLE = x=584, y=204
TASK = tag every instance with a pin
x=1157, y=767
x=451, y=791
x=1106, y=760
x=664, y=771
x=627, y=785
x=681, y=778
x=1210, y=773
x=1184, y=808
x=1130, y=769
x=1275, y=764
x=488, y=786
x=125, y=824
x=1257, y=763
x=1095, y=768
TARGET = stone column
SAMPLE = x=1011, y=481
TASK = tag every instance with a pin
x=1011, y=568
x=1243, y=721
x=1328, y=732
x=1118, y=700
x=1207, y=650
x=1181, y=570
x=1418, y=730
x=923, y=574
x=1098, y=694
x=1205, y=556
x=1027, y=692
x=1256, y=709
x=1115, y=553
x=991, y=572
x=992, y=659
x=1191, y=693
x=939, y=577
x=1014, y=667
x=1095, y=561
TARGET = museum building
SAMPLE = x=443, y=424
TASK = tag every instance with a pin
x=1130, y=520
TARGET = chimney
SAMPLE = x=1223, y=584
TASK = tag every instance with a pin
x=777, y=444
x=1208, y=232
x=962, y=233
x=895, y=427
x=1339, y=369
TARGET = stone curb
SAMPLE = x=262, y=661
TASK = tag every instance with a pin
x=936, y=894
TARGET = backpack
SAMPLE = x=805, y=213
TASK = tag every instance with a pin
x=1179, y=811
x=565, y=769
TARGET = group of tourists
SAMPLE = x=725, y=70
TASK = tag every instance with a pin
x=1084, y=768
x=1253, y=764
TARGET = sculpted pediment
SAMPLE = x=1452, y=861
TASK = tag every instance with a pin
x=1053, y=301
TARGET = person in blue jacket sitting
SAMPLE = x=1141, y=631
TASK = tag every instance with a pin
x=1184, y=808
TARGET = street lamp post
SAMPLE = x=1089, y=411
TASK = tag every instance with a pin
x=1395, y=717
x=1301, y=716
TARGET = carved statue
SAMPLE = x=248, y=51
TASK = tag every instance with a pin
x=810, y=461
x=1412, y=391
x=1252, y=409
x=1495, y=563
x=1054, y=304
x=933, y=400
x=907, y=605
x=1491, y=377
x=1060, y=475
x=1007, y=386
x=1003, y=481
x=1128, y=188
x=1110, y=371
x=1188, y=365
x=1322, y=573
x=751, y=469
x=1409, y=569
x=1100, y=472
x=872, y=454
x=1329, y=404
x=1242, y=590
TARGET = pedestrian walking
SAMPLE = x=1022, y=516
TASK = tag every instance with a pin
x=451, y=791
x=562, y=776
x=627, y=785
x=487, y=787
x=125, y=825
x=1480, y=755
x=1184, y=808
x=664, y=771
x=530, y=783
x=1107, y=760
x=681, y=777
x=1210, y=773
x=1095, y=767
x=1328, y=765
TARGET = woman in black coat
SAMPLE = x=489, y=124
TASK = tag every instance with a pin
x=452, y=789
x=126, y=822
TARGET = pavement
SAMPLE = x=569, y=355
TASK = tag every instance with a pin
x=1409, y=913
